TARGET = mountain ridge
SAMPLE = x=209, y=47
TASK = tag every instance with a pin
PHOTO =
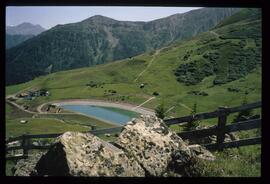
x=25, y=28
x=21, y=32
x=85, y=43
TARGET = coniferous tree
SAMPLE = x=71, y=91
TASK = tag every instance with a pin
x=191, y=125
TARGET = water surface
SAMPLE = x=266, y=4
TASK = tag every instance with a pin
x=114, y=115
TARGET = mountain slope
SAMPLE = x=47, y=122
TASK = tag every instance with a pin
x=24, y=29
x=20, y=33
x=100, y=40
x=13, y=40
x=157, y=69
x=231, y=52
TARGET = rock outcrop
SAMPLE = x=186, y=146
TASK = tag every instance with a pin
x=25, y=167
x=145, y=147
x=155, y=146
x=201, y=152
x=83, y=154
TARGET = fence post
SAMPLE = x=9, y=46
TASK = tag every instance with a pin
x=25, y=145
x=222, y=118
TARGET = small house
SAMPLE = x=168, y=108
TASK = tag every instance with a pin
x=142, y=85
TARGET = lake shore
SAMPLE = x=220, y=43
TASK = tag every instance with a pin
x=125, y=106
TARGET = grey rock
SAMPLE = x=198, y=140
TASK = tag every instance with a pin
x=25, y=167
x=83, y=154
x=201, y=152
x=153, y=145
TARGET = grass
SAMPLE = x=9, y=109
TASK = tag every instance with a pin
x=48, y=123
x=40, y=126
x=234, y=162
x=9, y=165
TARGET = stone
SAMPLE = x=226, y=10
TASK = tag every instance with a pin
x=25, y=167
x=83, y=154
x=145, y=147
x=154, y=145
x=201, y=152
x=35, y=143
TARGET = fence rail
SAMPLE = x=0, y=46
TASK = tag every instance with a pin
x=243, y=125
x=233, y=144
x=221, y=113
x=221, y=129
x=214, y=114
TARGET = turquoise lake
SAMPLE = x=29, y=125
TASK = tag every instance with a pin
x=114, y=115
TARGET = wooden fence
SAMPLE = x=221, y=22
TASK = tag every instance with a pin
x=221, y=113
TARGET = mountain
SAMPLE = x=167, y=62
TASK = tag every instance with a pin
x=99, y=39
x=215, y=68
x=20, y=33
x=13, y=40
x=24, y=29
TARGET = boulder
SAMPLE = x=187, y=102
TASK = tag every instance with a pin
x=83, y=154
x=145, y=147
x=25, y=167
x=156, y=148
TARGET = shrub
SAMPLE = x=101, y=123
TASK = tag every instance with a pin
x=160, y=111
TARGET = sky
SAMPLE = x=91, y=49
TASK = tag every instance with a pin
x=48, y=17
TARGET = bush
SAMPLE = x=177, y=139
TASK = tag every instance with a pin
x=155, y=93
x=233, y=89
x=160, y=111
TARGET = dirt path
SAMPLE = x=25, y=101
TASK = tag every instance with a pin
x=183, y=105
x=143, y=103
x=148, y=66
x=20, y=107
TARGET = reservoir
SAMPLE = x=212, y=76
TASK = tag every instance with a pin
x=114, y=115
